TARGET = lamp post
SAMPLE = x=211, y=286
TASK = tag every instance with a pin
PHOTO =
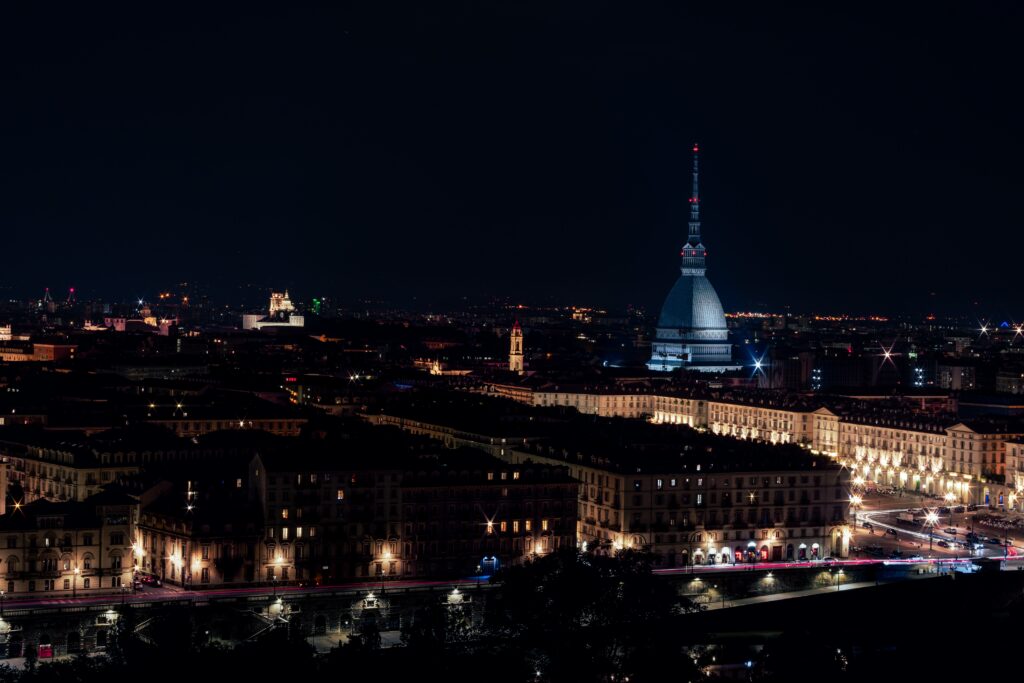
x=839, y=579
x=3, y=596
x=74, y=583
x=931, y=519
x=855, y=502
x=950, y=498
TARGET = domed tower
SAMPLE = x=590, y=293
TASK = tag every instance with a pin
x=691, y=330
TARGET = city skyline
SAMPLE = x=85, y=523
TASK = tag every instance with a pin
x=529, y=152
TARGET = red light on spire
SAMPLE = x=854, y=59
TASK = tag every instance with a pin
x=695, y=148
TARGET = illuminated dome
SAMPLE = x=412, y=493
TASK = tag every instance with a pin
x=693, y=306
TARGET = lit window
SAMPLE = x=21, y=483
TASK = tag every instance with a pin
x=515, y=475
x=238, y=483
x=543, y=525
x=341, y=494
x=515, y=526
x=284, y=513
x=490, y=476
x=298, y=532
x=529, y=525
x=504, y=526
x=284, y=533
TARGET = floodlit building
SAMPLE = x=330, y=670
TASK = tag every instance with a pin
x=281, y=313
x=691, y=330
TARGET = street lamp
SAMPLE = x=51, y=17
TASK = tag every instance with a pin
x=950, y=498
x=839, y=579
x=74, y=583
x=931, y=519
x=855, y=502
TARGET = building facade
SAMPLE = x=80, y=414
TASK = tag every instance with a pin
x=70, y=548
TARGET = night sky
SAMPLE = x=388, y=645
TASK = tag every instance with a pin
x=853, y=159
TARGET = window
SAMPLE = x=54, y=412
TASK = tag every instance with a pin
x=490, y=476
x=341, y=494
x=206, y=552
x=515, y=526
x=117, y=538
x=284, y=513
x=87, y=562
x=504, y=526
x=515, y=475
x=238, y=483
x=298, y=532
x=87, y=583
x=543, y=525
x=67, y=584
x=115, y=582
x=529, y=524
x=115, y=562
x=205, y=577
x=284, y=533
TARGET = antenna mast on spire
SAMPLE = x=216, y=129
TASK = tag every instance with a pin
x=693, y=251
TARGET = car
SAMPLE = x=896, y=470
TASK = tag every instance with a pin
x=943, y=511
x=869, y=525
x=993, y=540
x=978, y=546
x=148, y=580
x=943, y=544
x=892, y=532
x=828, y=560
x=950, y=530
x=959, y=508
x=916, y=558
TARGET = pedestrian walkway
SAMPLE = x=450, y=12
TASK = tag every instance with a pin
x=786, y=595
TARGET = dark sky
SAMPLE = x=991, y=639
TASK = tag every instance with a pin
x=852, y=158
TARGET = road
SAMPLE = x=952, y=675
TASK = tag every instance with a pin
x=914, y=539
x=156, y=595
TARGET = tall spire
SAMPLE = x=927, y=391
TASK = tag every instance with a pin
x=695, y=201
x=693, y=251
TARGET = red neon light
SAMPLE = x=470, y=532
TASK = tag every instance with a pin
x=290, y=379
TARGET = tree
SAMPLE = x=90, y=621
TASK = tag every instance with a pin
x=590, y=617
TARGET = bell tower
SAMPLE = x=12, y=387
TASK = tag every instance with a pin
x=515, y=353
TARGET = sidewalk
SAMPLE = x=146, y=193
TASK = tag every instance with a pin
x=786, y=595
